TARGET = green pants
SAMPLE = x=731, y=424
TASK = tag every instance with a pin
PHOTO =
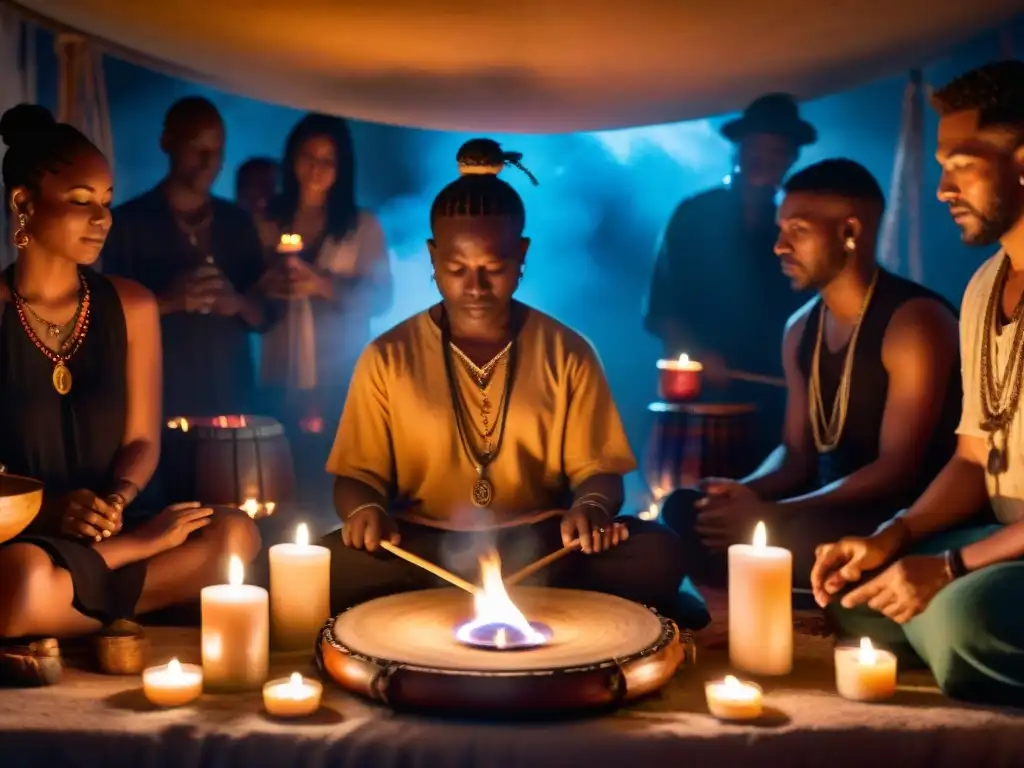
x=971, y=636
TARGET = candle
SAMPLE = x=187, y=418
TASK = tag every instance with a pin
x=173, y=684
x=865, y=673
x=760, y=607
x=290, y=244
x=679, y=379
x=733, y=699
x=295, y=697
x=235, y=633
x=300, y=592
x=257, y=510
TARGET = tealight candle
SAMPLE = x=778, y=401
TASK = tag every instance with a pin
x=300, y=592
x=734, y=699
x=295, y=697
x=761, y=606
x=235, y=633
x=172, y=685
x=290, y=244
x=865, y=673
x=679, y=380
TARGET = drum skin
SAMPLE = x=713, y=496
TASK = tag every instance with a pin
x=401, y=651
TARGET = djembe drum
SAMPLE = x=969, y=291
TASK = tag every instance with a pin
x=402, y=650
x=689, y=441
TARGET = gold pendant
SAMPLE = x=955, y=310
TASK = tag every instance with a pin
x=483, y=492
x=61, y=379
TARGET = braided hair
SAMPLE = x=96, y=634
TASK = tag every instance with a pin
x=36, y=145
x=478, y=191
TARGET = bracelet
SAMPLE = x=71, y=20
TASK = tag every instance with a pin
x=585, y=502
x=955, y=567
x=367, y=505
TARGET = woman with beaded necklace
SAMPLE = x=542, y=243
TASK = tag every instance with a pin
x=80, y=376
x=484, y=415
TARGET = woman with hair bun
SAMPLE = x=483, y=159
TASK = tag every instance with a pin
x=484, y=414
x=80, y=374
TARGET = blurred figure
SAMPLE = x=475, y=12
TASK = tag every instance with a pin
x=331, y=287
x=201, y=256
x=256, y=184
x=717, y=293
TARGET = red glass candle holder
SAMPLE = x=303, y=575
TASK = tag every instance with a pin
x=679, y=380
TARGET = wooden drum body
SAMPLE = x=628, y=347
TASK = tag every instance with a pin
x=690, y=441
x=402, y=651
x=231, y=460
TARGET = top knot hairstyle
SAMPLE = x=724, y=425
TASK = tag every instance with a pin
x=995, y=90
x=840, y=177
x=36, y=145
x=478, y=191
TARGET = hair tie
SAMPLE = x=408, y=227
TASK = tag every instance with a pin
x=483, y=157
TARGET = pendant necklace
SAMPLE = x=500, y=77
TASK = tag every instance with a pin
x=61, y=376
x=482, y=492
x=1000, y=395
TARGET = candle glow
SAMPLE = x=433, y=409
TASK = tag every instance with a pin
x=679, y=379
x=173, y=685
x=733, y=699
x=294, y=697
x=865, y=673
x=300, y=589
x=235, y=633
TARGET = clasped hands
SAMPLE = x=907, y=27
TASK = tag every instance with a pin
x=591, y=524
x=205, y=290
x=901, y=591
x=292, y=277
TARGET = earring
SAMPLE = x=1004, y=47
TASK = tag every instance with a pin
x=850, y=244
x=21, y=238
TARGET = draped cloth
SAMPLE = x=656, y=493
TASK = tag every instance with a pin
x=529, y=65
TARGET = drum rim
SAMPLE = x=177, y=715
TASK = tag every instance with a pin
x=669, y=634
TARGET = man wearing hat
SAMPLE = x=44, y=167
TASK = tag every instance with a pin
x=717, y=293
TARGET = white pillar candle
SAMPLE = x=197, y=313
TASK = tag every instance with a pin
x=761, y=607
x=865, y=673
x=173, y=684
x=295, y=697
x=733, y=699
x=300, y=592
x=235, y=634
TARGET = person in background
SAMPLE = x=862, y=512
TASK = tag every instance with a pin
x=484, y=417
x=873, y=389
x=716, y=292
x=201, y=256
x=939, y=583
x=256, y=184
x=332, y=287
x=80, y=412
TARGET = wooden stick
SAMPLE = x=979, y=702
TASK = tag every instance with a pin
x=426, y=565
x=544, y=562
x=757, y=378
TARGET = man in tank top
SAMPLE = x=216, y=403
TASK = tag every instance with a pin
x=873, y=394
x=948, y=596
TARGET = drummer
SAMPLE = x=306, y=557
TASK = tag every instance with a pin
x=482, y=420
x=872, y=373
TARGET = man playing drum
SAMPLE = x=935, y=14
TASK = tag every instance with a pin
x=872, y=373
x=484, y=421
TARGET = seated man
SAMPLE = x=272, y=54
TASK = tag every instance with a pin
x=873, y=388
x=482, y=420
x=951, y=597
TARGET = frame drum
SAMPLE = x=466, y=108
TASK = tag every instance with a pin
x=401, y=650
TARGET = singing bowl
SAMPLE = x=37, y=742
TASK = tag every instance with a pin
x=20, y=501
x=401, y=650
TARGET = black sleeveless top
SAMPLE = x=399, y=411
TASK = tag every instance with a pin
x=869, y=388
x=69, y=442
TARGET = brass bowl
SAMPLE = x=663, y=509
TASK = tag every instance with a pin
x=20, y=501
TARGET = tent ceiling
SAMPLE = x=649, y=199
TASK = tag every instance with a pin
x=527, y=65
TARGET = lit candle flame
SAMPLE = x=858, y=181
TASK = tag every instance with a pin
x=651, y=513
x=760, y=536
x=174, y=668
x=684, y=359
x=302, y=535
x=734, y=689
x=236, y=572
x=867, y=654
x=251, y=507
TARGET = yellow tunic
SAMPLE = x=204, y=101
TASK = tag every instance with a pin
x=398, y=432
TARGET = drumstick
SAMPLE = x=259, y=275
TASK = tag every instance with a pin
x=426, y=565
x=756, y=378
x=545, y=561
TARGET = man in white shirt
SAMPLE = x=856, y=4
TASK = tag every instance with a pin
x=951, y=590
